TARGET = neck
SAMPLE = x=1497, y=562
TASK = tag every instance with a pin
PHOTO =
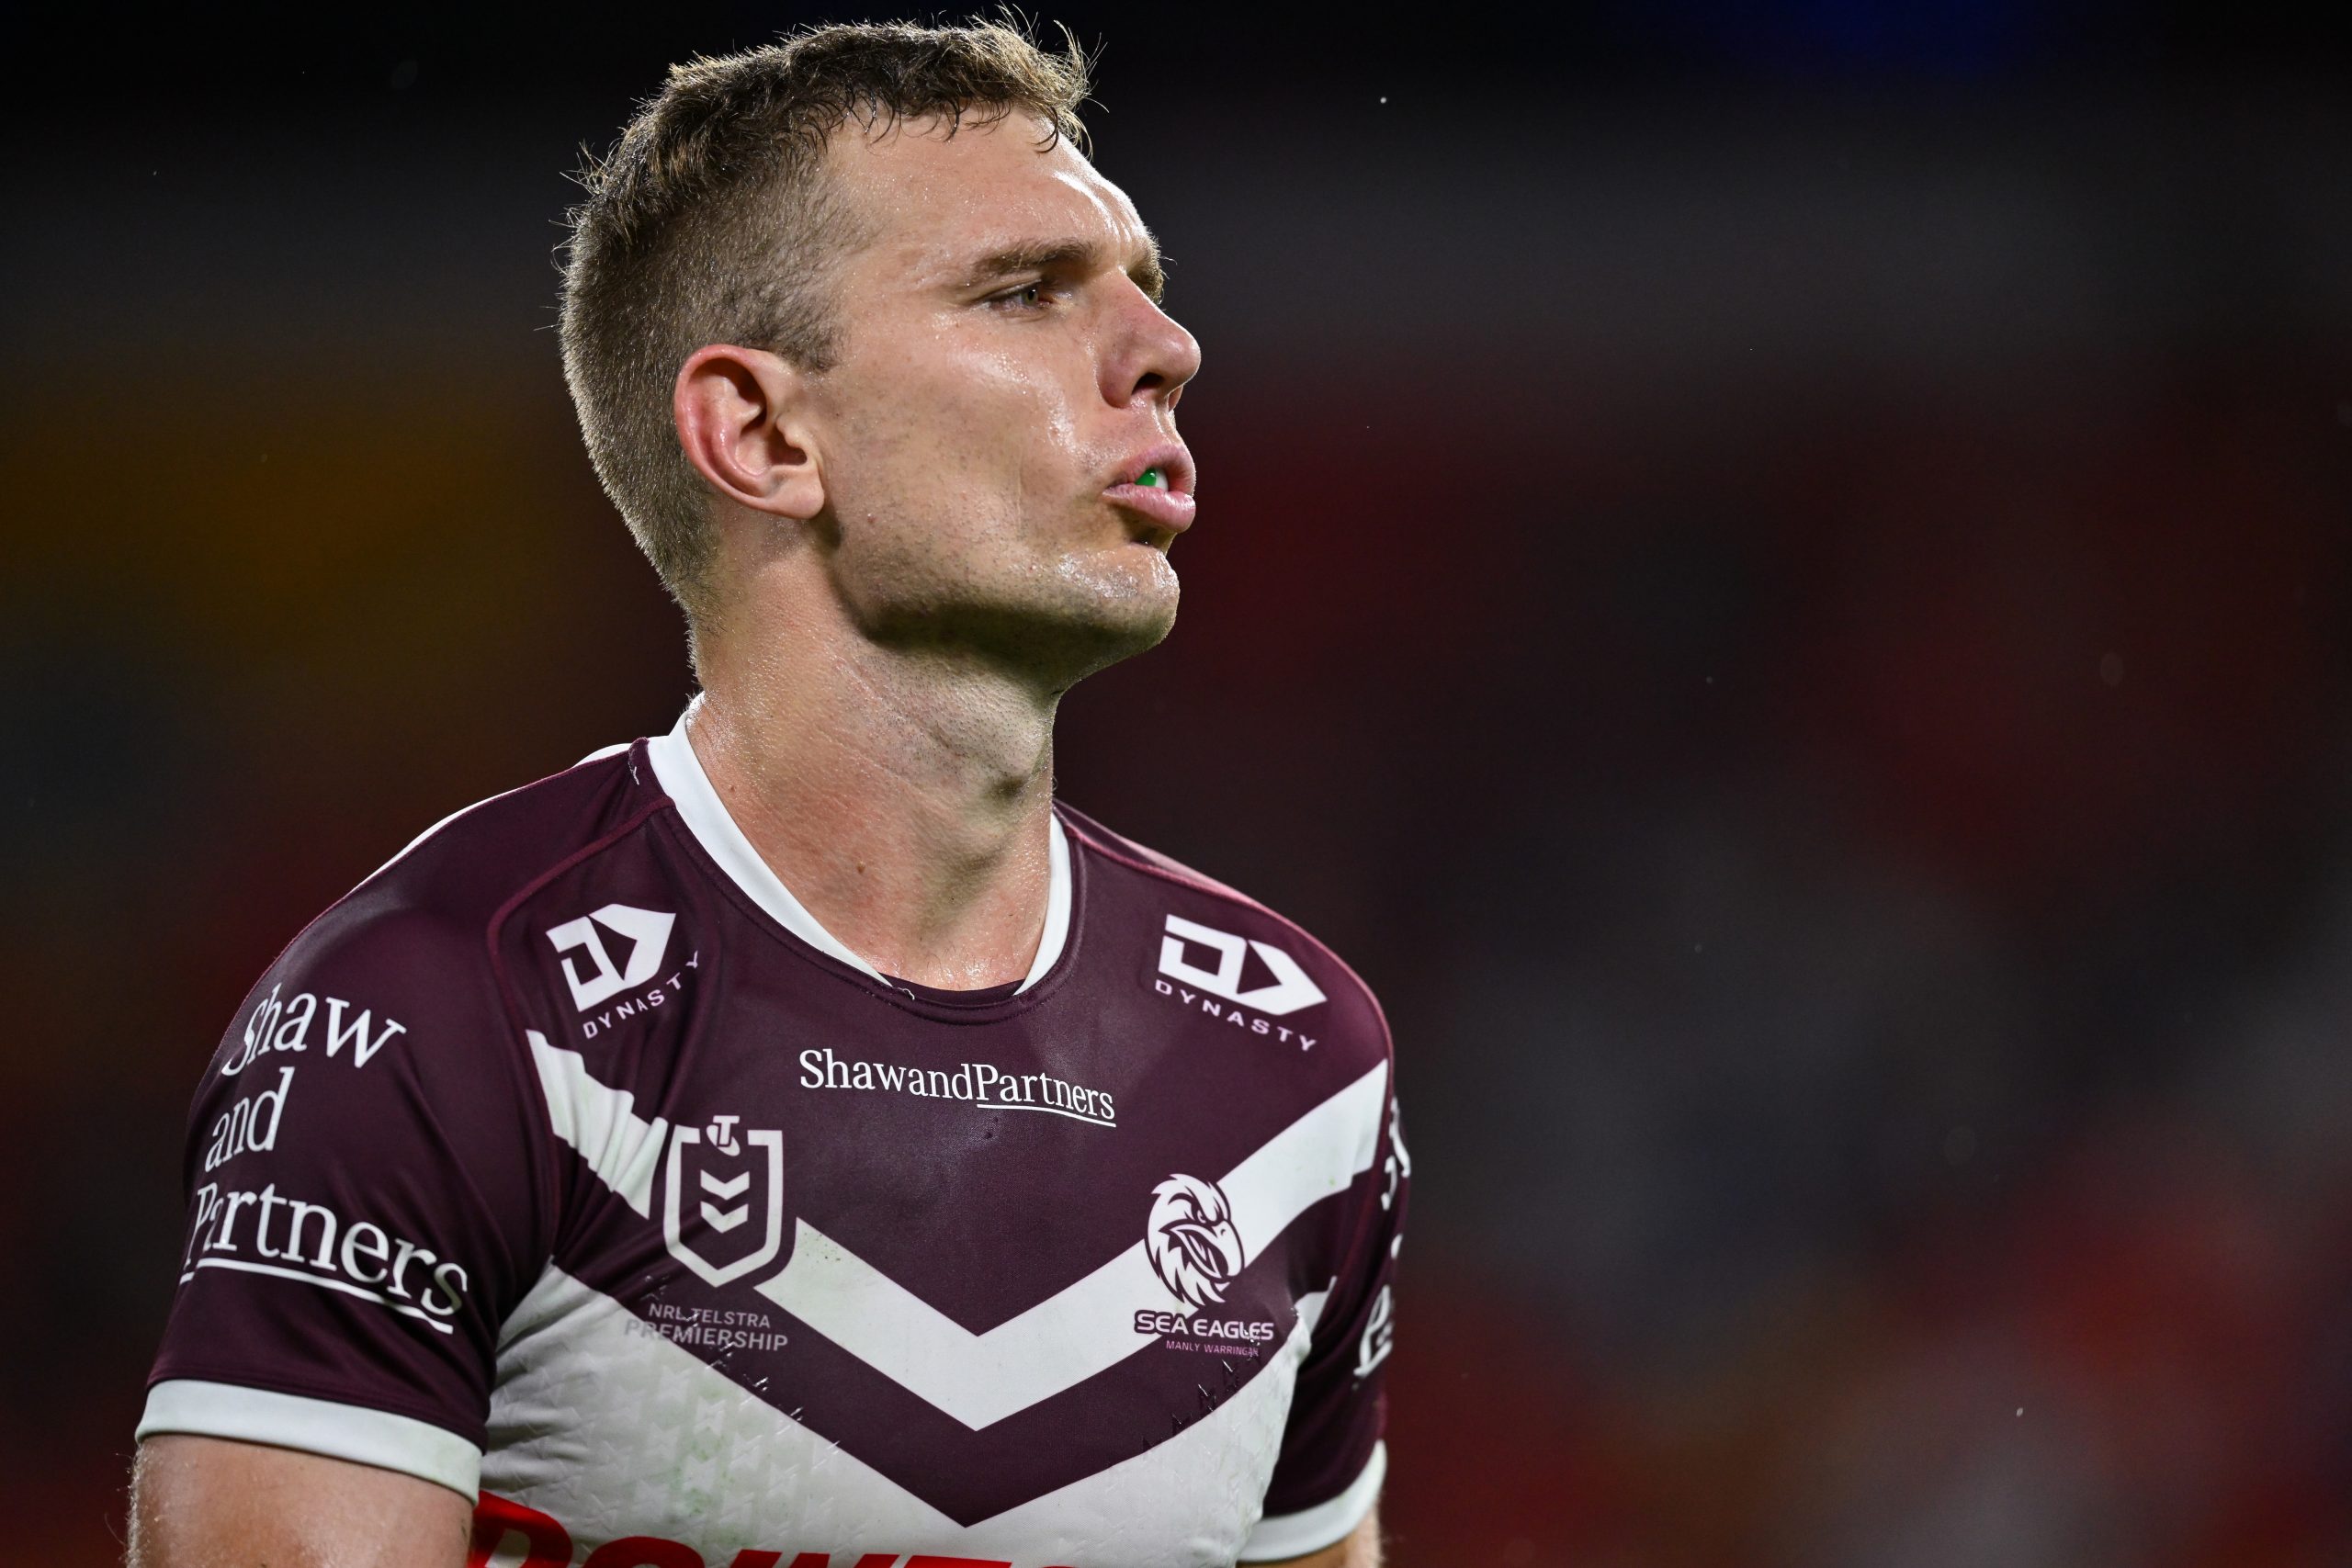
x=904, y=797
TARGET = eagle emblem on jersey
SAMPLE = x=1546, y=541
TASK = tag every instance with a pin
x=725, y=1202
x=1191, y=1240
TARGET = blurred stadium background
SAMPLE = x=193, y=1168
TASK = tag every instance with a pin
x=1776, y=579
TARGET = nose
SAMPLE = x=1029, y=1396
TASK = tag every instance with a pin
x=1152, y=356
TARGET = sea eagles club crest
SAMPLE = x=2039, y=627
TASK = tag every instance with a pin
x=1190, y=1239
x=732, y=1183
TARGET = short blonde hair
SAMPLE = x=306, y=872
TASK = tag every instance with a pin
x=711, y=221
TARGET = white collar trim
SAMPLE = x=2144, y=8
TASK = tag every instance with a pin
x=680, y=773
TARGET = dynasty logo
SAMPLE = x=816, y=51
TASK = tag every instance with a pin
x=595, y=978
x=1218, y=988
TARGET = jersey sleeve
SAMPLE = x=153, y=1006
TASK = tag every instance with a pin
x=1332, y=1461
x=366, y=1202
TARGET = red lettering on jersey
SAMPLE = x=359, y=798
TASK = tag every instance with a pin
x=545, y=1543
x=747, y=1558
x=644, y=1552
x=954, y=1562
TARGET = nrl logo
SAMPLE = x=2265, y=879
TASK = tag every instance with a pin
x=1190, y=1239
x=723, y=1148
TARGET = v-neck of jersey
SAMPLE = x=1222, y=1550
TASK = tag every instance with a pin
x=680, y=773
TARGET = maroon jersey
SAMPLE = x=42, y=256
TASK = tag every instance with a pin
x=569, y=1163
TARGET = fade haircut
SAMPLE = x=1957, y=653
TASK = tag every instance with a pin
x=713, y=219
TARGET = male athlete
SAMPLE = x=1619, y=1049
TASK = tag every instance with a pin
x=796, y=1140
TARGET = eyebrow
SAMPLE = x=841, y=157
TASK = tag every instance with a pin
x=1051, y=255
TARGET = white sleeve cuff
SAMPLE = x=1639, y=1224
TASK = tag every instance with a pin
x=314, y=1426
x=1326, y=1524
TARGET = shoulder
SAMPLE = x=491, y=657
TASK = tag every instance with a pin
x=1209, y=941
x=454, y=879
x=414, y=938
x=469, y=865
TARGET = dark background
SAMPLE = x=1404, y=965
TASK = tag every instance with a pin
x=1776, y=579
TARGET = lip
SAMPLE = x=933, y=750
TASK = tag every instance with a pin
x=1171, y=508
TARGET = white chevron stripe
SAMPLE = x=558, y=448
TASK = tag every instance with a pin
x=1087, y=1327
x=980, y=1379
x=601, y=1122
x=574, y=1432
x=1306, y=1162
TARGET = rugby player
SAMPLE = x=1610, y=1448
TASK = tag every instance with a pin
x=797, y=1138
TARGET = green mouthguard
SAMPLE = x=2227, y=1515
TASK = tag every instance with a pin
x=1152, y=478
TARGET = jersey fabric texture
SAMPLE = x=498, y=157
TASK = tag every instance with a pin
x=570, y=1163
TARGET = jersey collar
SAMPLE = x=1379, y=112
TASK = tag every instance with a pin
x=680, y=773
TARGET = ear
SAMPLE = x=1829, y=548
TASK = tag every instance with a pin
x=741, y=415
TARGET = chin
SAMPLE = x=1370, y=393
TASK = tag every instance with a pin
x=1134, y=588
x=1135, y=578
x=1109, y=629
x=1097, y=612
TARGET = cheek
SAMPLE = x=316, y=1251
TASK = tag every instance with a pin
x=1017, y=416
x=974, y=440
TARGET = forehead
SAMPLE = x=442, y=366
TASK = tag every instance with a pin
x=929, y=200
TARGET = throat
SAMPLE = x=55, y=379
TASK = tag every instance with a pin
x=910, y=849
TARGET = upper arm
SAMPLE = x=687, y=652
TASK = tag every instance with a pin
x=365, y=1205
x=209, y=1503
